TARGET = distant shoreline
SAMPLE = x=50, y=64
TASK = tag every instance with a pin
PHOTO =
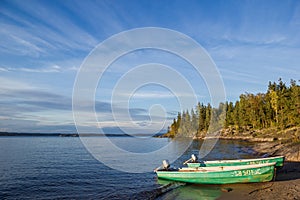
x=38, y=134
x=15, y=134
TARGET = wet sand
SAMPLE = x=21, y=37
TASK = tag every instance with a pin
x=285, y=186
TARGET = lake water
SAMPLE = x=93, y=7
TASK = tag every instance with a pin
x=61, y=167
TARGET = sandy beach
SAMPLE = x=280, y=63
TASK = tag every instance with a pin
x=287, y=180
x=285, y=186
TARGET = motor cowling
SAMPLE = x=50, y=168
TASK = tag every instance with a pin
x=166, y=164
x=194, y=158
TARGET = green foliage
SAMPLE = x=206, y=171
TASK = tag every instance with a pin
x=278, y=108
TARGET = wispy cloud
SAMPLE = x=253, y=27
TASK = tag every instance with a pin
x=30, y=39
x=234, y=74
x=43, y=43
x=8, y=84
x=27, y=104
x=51, y=69
x=3, y=69
x=147, y=95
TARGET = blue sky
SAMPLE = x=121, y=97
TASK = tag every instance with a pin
x=43, y=44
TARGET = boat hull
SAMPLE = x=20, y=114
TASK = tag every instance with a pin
x=279, y=160
x=221, y=175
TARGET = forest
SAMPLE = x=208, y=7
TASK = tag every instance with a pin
x=278, y=108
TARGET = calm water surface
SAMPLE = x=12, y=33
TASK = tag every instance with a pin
x=61, y=168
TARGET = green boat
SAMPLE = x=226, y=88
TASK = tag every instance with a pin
x=279, y=160
x=220, y=175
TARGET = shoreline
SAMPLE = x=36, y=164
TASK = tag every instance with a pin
x=267, y=143
x=243, y=138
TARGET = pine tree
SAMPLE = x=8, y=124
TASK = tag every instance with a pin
x=279, y=107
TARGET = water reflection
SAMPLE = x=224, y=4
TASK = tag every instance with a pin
x=190, y=191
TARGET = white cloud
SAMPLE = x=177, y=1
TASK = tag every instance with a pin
x=150, y=94
x=53, y=31
x=239, y=76
x=8, y=84
x=39, y=70
x=50, y=69
x=3, y=69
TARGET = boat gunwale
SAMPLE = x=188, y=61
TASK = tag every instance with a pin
x=238, y=160
x=218, y=168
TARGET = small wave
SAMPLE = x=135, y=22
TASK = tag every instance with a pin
x=153, y=194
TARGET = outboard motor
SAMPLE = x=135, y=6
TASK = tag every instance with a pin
x=194, y=158
x=166, y=164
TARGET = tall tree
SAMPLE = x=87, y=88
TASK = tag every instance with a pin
x=279, y=107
